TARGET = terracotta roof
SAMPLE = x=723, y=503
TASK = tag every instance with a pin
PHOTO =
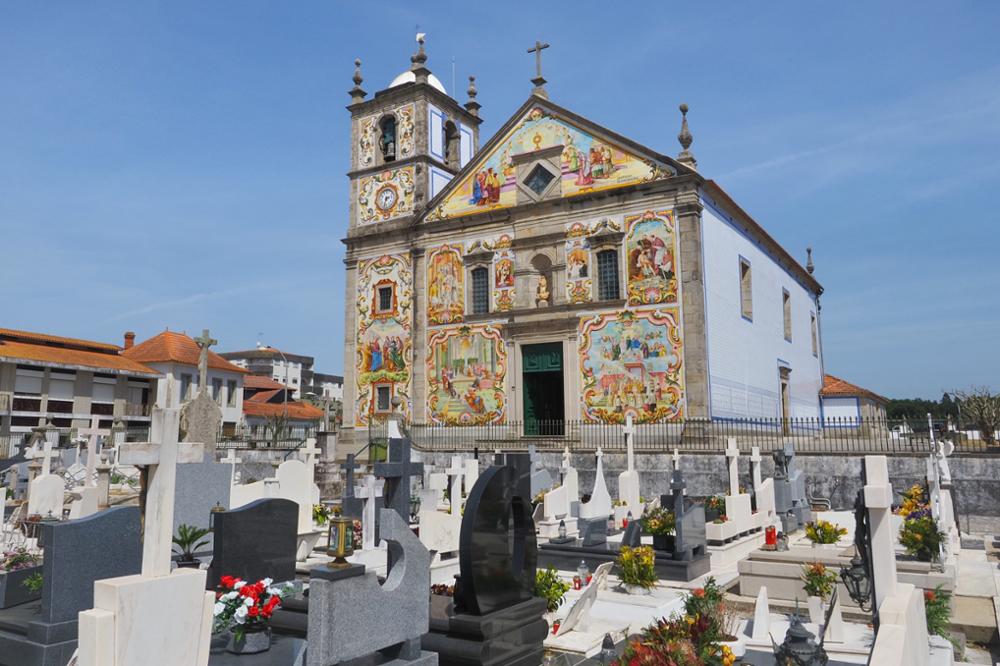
x=44, y=338
x=263, y=396
x=173, y=347
x=299, y=411
x=835, y=386
x=261, y=383
x=49, y=354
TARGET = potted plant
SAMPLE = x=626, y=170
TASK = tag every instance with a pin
x=249, y=622
x=637, y=569
x=552, y=588
x=818, y=581
x=17, y=568
x=937, y=611
x=189, y=539
x=824, y=533
x=921, y=537
x=660, y=523
x=715, y=624
x=715, y=506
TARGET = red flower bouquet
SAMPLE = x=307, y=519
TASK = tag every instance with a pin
x=244, y=607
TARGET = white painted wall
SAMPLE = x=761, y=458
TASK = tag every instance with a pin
x=744, y=356
x=841, y=409
x=230, y=413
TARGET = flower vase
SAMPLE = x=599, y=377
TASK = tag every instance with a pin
x=253, y=641
x=738, y=647
x=637, y=590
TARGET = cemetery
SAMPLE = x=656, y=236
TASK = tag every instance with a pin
x=498, y=558
x=583, y=415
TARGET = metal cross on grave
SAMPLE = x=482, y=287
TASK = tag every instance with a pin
x=160, y=455
x=94, y=434
x=204, y=342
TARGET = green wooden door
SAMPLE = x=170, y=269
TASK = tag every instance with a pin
x=542, y=389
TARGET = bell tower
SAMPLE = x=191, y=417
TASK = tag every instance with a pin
x=407, y=142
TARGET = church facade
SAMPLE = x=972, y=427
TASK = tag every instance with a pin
x=558, y=271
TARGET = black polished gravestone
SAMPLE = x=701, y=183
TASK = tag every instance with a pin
x=494, y=618
x=687, y=561
x=77, y=553
x=255, y=541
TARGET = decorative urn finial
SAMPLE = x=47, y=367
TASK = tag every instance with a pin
x=357, y=93
x=684, y=137
x=472, y=106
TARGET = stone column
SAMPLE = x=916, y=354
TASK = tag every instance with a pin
x=103, y=485
x=350, y=334
x=688, y=211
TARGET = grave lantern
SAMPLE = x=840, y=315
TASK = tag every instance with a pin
x=608, y=652
x=799, y=648
x=341, y=542
x=562, y=530
x=858, y=582
x=218, y=508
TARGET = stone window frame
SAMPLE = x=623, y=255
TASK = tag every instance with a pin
x=375, y=398
x=786, y=314
x=479, y=258
x=814, y=330
x=599, y=243
x=377, y=309
x=745, y=276
x=549, y=159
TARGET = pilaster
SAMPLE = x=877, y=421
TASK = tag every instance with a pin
x=688, y=210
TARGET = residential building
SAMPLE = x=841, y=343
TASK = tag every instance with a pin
x=69, y=381
x=845, y=403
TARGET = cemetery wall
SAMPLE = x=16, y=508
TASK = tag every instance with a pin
x=976, y=478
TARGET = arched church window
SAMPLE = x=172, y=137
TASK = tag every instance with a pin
x=452, y=145
x=387, y=141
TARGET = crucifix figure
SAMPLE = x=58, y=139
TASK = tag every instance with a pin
x=161, y=456
x=204, y=342
x=539, y=81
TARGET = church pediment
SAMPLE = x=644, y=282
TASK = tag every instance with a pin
x=578, y=157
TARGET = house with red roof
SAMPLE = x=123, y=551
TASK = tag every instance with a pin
x=844, y=403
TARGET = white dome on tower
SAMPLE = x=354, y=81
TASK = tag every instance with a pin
x=409, y=77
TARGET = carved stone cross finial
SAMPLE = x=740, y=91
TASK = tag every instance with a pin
x=539, y=81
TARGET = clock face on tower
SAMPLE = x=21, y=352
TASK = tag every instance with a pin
x=385, y=199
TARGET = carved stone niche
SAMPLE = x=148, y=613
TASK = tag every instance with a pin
x=539, y=175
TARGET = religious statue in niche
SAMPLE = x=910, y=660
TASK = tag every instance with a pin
x=650, y=246
x=542, y=292
x=445, y=286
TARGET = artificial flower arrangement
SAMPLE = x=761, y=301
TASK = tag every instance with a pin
x=359, y=538
x=321, y=514
x=692, y=639
x=658, y=521
x=920, y=536
x=914, y=500
x=823, y=531
x=937, y=610
x=637, y=567
x=19, y=558
x=244, y=607
x=817, y=580
x=715, y=507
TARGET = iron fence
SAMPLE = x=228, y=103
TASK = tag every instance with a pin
x=264, y=437
x=808, y=435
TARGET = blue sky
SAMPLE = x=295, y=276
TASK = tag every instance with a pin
x=181, y=164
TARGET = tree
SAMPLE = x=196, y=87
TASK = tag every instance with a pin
x=982, y=408
x=277, y=428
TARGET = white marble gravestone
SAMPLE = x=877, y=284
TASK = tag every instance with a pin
x=628, y=481
x=570, y=481
x=762, y=617
x=156, y=618
x=440, y=530
x=599, y=505
x=295, y=483
x=87, y=495
x=369, y=491
x=739, y=517
x=45, y=492
x=471, y=474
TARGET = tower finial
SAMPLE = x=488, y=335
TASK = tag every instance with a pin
x=472, y=106
x=357, y=93
x=809, y=260
x=539, y=80
x=685, y=157
x=420, y=57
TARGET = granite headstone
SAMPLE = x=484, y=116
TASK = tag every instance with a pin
x=255, y=541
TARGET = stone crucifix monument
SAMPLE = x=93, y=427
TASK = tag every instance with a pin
x=127, y=625
x=88, y=494
x=628, y=481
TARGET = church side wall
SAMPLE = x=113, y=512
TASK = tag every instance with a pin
x=744, y=356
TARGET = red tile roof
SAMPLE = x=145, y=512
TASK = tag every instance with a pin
x=49, y=354
x=263, y=396
x=837, y=387
x=173, y=347
x=261, y=383
x=298, y=411
x=44, y=338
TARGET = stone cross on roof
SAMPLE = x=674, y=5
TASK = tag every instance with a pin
x=161, y=455
x=204, y=342
x=539, y=81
